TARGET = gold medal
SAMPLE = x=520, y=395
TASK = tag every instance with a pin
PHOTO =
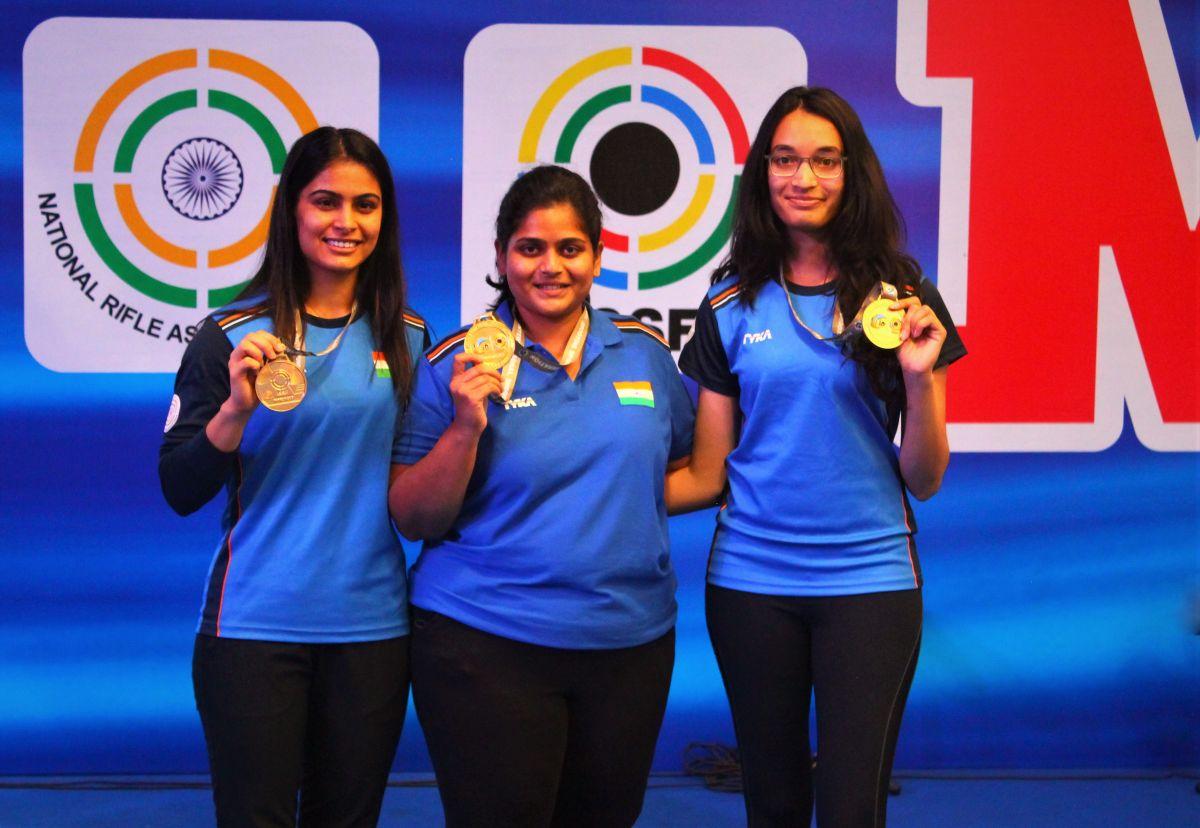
x=281, y=384
x=882, y=325
x=491, y=341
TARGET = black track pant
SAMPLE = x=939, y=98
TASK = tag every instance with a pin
x=856, y=654
x=307, y=730
x=530, y=736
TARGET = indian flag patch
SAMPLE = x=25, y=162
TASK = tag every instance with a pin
x=635, y=393
x=381, y=367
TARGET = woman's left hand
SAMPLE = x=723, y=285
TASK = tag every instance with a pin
x=921, y=336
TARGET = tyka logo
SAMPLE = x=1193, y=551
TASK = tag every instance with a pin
x=150, y=169
x=654, y=117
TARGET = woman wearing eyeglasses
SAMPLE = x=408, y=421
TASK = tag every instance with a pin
x=813, y=580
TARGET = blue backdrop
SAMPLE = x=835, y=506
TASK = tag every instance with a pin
x=1060, y=588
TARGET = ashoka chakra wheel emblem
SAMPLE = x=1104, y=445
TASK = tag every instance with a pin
x=202, y=179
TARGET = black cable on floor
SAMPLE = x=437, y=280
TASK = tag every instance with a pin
x=714, y=763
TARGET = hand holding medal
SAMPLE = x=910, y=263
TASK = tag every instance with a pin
x=906, y=326
x=921, y=336
x=472, y=384
x=281, y=383
x=246, y=368
x=492, y=344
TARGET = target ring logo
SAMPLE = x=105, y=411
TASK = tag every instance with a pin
x=202, y=179
x=664, y=182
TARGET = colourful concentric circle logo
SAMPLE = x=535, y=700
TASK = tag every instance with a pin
x=152, y=151
x=635, y=166
x=657, y=118
x=202, y=177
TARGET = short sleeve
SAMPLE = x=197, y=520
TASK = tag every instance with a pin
x=704, y=358
x=953, y=348
x=683, y=413
x=419, y=337
x=430, y=412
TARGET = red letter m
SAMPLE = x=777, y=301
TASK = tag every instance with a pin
x=1067, y=239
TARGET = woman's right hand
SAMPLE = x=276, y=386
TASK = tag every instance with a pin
x=247, y=359
x=470, y=387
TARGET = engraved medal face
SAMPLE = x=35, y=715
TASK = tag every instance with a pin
x=491, y=341
x=281, y=385
x=881, y=325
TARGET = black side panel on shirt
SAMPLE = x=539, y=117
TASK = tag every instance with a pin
x=953, y=348
x=190, y=468
x=704, y=359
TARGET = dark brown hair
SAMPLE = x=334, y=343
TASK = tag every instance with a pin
x=865, y=236
x=284, y=277
x=541, y=187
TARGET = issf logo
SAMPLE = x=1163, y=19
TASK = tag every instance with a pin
x=657, y=118
x=150, y=168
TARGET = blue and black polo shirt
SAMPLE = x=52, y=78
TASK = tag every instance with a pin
x=815, y=502
x=307, y=552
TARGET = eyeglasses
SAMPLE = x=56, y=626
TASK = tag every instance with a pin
x=823, y=164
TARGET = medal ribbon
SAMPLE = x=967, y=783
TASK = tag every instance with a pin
x=298, y=350
x=571, y=353
x=883, y=290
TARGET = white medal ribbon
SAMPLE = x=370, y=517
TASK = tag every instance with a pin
x=298, y=350
x=508, y=375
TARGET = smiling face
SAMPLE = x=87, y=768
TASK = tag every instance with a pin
x=804, y=203
x=550, y=265
x=338, y=216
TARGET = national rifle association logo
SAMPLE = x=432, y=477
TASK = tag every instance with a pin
x=151, y=165
x=658, y=119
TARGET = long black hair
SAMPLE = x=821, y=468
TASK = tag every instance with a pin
x=284, y=278
x=541, y=187
x=865, y=236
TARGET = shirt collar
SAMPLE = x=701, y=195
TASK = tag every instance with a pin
x=600, y=327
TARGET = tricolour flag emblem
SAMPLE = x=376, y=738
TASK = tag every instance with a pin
x=635, y=393
x=381, y=367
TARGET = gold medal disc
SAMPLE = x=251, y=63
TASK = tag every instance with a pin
x=491, y=341
x=881, y=325
x=281, y=385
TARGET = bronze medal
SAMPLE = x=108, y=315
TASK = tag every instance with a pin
x=882, y=325
x=491, y=342
x=281, y=384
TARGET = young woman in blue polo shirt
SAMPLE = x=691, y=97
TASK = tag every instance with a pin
x=301, y=656
x=543, y=599
x=813, y=581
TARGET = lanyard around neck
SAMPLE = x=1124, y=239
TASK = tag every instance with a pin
x=571, y=353
x=882, y=290
x=298, y=351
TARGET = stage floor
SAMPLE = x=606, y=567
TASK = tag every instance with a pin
x=967, y=800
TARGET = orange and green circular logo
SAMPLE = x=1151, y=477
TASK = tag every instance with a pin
x=200, y=181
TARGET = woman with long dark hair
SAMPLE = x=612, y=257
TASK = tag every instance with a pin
x=544, y=597
x=287, y=399
x=818, y=338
